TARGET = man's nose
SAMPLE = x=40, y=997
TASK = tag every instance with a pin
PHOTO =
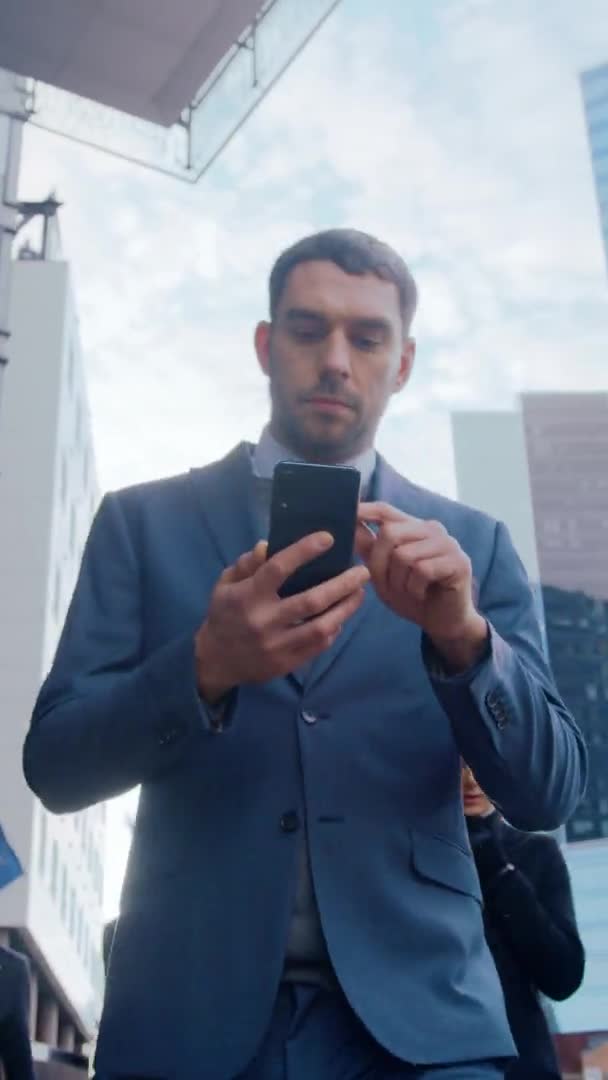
x=335, y=356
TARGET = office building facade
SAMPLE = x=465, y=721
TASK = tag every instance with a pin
x=567, y=450
x=48, y=496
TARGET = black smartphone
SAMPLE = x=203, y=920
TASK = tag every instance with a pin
x=308, y=499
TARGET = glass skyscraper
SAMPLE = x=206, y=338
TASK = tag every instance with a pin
x=595, y=95
x=567, y=450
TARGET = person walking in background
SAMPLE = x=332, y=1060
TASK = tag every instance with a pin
x=300, y=902
x=15, y=1045
x=530, y=926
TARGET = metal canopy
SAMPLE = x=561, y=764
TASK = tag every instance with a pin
x=143, y=57
x=161, y=83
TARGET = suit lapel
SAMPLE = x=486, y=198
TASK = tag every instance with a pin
x=387, y=486
x=225, y=496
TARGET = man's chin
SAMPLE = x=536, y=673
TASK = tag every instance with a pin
x=335, y=443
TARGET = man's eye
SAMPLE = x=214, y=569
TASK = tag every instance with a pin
x=366, y=344
x=306, y=334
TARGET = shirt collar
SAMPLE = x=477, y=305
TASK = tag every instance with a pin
x=269, y=452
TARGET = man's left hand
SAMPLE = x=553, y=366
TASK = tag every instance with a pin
x=422, y=574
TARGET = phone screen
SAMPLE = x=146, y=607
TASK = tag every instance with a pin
x=308, y=499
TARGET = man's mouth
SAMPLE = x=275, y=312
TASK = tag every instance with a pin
x=328, y=403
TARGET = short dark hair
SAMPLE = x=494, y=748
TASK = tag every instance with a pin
x=354, y=252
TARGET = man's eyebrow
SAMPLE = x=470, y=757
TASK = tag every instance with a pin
x=304, y=313
x=372, y=323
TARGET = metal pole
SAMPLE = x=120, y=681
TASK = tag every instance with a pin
x=14, y=115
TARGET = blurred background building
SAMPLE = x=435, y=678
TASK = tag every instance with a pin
x=48, y=495
x=544, y=471
x=594, y=85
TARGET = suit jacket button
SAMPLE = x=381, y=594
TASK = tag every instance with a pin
x=492, y=701
x=169, y=737
x=290, y=822
x=309, y=718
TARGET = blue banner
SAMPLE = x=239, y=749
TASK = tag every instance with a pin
x=10, y=867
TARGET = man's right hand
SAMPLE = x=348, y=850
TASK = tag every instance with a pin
x=251, y=635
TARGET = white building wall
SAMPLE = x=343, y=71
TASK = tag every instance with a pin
x=48, y=495
x=492, y=475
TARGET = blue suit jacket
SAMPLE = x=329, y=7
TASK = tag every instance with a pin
x=199, y=947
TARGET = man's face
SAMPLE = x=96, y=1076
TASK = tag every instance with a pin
x=334, y=354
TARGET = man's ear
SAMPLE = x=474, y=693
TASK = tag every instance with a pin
x=406, y=363
x=261, y=340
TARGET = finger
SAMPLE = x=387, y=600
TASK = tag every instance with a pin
x=245, y=566
x=248, y=564
x=315, y=601
x=412, y=552
x=391, y=536
x=313, y=637
x=282, y=565
x=403, y=581
x=441, y=570
x=381, y=513
x=402, y=554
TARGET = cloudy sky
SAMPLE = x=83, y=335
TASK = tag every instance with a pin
x=451, y=128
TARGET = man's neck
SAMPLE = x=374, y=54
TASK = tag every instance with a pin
x=269, y=451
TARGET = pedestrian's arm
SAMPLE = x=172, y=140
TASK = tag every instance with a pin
x=538, y=922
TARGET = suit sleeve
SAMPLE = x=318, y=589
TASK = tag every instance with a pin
x=108, y=719
x=510, y=724
x=538, y=923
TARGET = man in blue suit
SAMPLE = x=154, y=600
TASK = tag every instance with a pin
x=301, y=902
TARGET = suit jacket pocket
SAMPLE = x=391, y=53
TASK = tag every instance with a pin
x=442, y=862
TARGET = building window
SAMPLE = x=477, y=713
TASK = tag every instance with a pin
x=72, y=922
x=57, y=592
x=71, y=364
x=99, y=880
x=64, y=894
x=54, y=869
x=42, y=844
x=64, y=478
x=72, y=529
